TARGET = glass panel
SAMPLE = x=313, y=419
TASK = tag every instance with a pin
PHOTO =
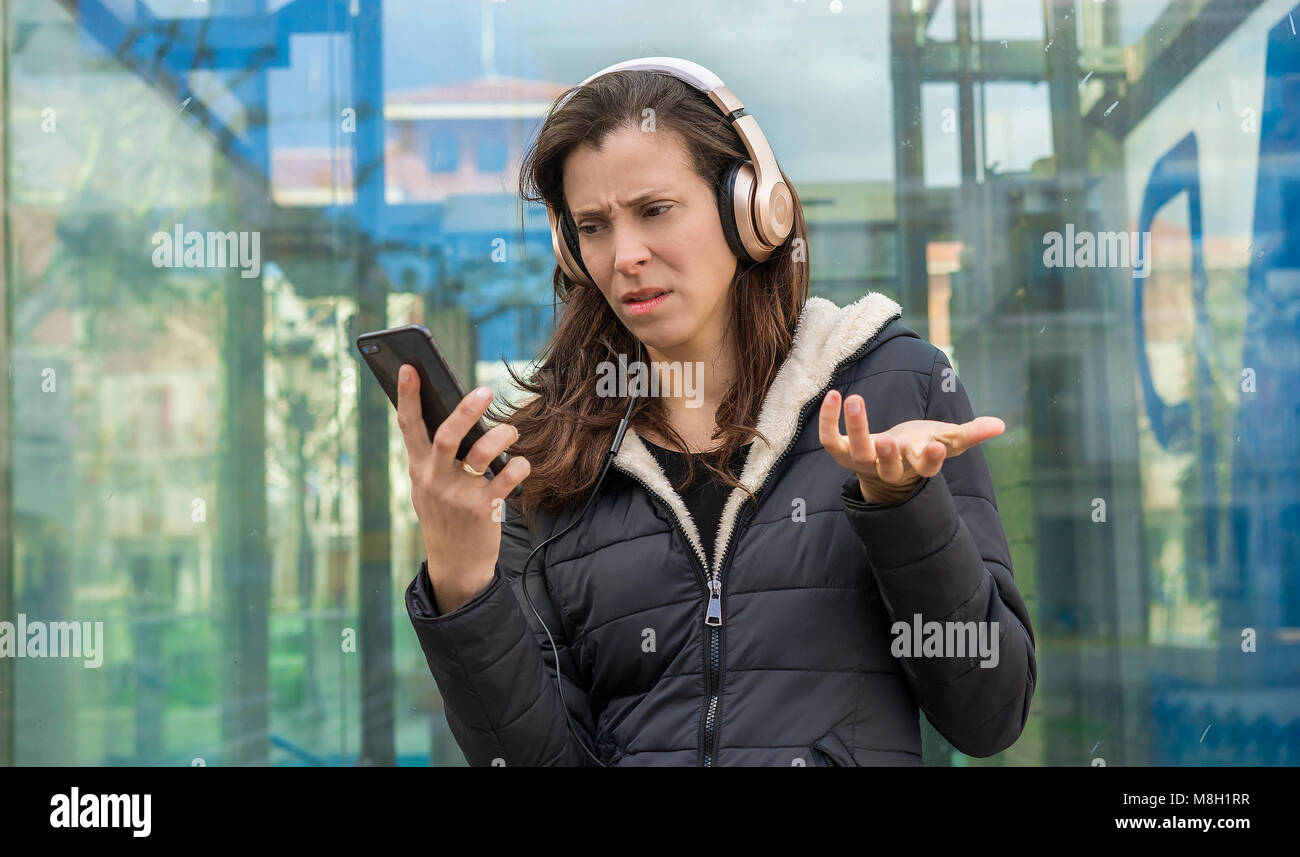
x=206, y=204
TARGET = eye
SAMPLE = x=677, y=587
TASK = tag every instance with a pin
x=590, y=228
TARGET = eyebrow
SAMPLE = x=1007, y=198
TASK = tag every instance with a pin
x=640, y=199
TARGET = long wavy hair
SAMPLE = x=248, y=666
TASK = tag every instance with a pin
x=565, y=428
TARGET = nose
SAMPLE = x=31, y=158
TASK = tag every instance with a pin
x=630, y=250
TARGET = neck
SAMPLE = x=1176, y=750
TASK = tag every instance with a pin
x=693, y=379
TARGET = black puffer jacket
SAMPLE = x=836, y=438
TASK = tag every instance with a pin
x=800, y=670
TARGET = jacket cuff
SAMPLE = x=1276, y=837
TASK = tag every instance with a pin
x=852, y=495
x=423, y=606
x=902, y=533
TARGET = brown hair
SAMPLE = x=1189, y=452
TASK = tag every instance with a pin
x=565, y=429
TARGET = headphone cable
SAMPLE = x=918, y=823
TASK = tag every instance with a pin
x=609, y=458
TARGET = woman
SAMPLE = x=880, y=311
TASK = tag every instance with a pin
x=797, y=639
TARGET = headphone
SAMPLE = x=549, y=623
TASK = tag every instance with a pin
x=755, y=205
x=757, y=211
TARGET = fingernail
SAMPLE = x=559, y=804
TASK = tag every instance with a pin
x=404, y=374
x=854, y=406
x=482, y=393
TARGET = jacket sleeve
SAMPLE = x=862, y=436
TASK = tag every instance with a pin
x=942, y=553
x=494, y=666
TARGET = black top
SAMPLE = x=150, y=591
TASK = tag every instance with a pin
x=705, y=495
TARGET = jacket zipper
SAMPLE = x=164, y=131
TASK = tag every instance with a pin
x=710, y=748
x=711, y=733
x=713, y=586
x=711, y=590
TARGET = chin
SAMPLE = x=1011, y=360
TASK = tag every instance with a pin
x=660, y=335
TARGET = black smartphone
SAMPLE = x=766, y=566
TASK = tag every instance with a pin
x=440, y=392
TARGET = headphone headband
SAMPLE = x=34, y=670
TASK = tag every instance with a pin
x=757, y=212
x=693, y=73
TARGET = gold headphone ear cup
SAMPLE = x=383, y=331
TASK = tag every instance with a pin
x=780, y=220
x=727, y=213
x=575, y=251
x=567, y=253
x=742, y=204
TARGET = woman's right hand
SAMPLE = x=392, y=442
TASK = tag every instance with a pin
x=455, y=508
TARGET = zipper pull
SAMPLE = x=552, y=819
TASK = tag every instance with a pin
x=714, y=616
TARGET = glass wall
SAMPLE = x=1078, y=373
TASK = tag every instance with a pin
x=1094, y=208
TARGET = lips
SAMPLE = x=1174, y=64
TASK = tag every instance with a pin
x=643, y=295
x=645, y=300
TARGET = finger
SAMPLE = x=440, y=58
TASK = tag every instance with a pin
x=446, y=440
x=515, y=472
x=960, y=438
x=410, y=419
x=493, y=442
x=828, y=431
x=981, y=429
x=926, y=457
x=889, y=458
x=861, y=447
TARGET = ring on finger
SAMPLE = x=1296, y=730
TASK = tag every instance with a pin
x=464, y=465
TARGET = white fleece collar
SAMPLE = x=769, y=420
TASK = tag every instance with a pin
x=825, y=336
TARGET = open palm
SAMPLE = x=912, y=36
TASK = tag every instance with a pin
x=888, y=464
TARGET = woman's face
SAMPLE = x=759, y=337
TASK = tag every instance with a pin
x=647, y=223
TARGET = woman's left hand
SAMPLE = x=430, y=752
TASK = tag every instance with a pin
x=888, y=464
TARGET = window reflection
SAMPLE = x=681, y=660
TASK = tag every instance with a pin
x=198, y=460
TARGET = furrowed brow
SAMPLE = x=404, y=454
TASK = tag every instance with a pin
x=640, y=199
